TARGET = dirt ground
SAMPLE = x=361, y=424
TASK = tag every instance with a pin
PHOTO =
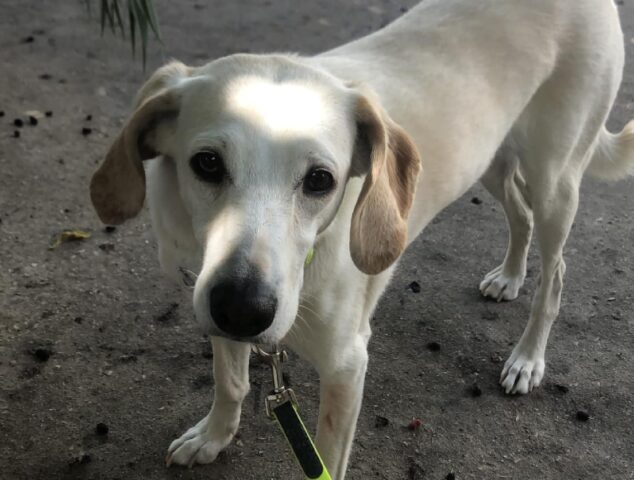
x=91, y=333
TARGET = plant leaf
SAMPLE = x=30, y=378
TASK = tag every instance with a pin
x=132, y=27
x=104, y=10
x=150, y=13
x=141, y=19
x=143, y=23
x=117, y=13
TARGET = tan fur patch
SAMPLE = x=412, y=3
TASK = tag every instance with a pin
x=378, y=232
x=117, y=188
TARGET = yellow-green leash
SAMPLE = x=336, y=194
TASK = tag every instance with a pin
x=281, y=405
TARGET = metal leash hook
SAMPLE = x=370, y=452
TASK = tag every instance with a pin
x=281, y=405
x=280, y=394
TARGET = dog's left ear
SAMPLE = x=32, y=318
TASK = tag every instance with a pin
x=378, y=233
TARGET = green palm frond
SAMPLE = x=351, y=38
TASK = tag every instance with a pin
x=141, y=19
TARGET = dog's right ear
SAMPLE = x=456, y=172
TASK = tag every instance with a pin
x=117, y=188
x=378, y=232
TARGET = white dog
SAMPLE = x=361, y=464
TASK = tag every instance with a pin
x=262, y=158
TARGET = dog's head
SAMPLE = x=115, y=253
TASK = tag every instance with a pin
x=263, y=147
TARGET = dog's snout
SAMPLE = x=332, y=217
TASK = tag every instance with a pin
x=243, y=308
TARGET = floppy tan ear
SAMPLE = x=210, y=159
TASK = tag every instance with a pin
x=117, y=188
x=378, y=233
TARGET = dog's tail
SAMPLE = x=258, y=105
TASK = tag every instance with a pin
x=613, y=157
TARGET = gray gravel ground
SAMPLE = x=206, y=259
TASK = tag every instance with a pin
x=124, y=350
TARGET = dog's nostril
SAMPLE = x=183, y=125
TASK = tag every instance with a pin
x=242, y=309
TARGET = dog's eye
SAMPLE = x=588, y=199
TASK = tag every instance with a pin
x=319, y=181
x=208, y=166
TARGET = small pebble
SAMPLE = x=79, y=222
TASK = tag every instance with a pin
x=101, y=429
x=106, y=247
x=380, y=422
x=476, y=201
x=475, y=390
x=1, y=113
x=208, y=354
x=414, y=287
x=48, y=113
x=46, y=76
x=583, y=416
x=29, y=39
x=109, y=229
x=415, y=471
x=433, y=346
x=42, y=354
x=18, y=122
x=16, y=134
x=450, y=476
x=32, y=120
x=88, y=118
x=86, y=131
x=562, y=388
x=82, y=458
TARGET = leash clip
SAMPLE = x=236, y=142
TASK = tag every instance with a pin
x=280, y=393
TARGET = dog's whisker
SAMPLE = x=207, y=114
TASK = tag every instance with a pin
x=315, y=314
x=302, y=323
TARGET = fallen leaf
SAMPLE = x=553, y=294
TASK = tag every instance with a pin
x=34, y=113
x=68, y=236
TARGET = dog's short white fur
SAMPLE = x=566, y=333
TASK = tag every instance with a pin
x=514, y=93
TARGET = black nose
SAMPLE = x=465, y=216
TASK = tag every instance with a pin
x=242, y=308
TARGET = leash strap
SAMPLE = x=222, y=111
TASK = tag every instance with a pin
x=299, y=439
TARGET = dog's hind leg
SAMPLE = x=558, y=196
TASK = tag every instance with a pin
x=554, y=206
x=204, y=441
x=505, y=182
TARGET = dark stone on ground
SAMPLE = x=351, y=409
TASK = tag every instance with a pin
x=414, y=287
x=42, y=354
x=582, y=416
x=433, y=346
x=475, y=390
x=380, y=421
x=101, y=429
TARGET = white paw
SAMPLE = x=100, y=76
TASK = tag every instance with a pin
x=200, y=444
x=498, y=285
x=522, y=372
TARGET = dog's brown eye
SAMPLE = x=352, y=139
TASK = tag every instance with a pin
x=318, y=182
x=208, y=165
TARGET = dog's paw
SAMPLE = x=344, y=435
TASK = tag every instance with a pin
x=200, y=444
x=499, y=286
x=522, y=372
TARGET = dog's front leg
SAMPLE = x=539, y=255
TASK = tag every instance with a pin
x=341, y=390
x=203, y=442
